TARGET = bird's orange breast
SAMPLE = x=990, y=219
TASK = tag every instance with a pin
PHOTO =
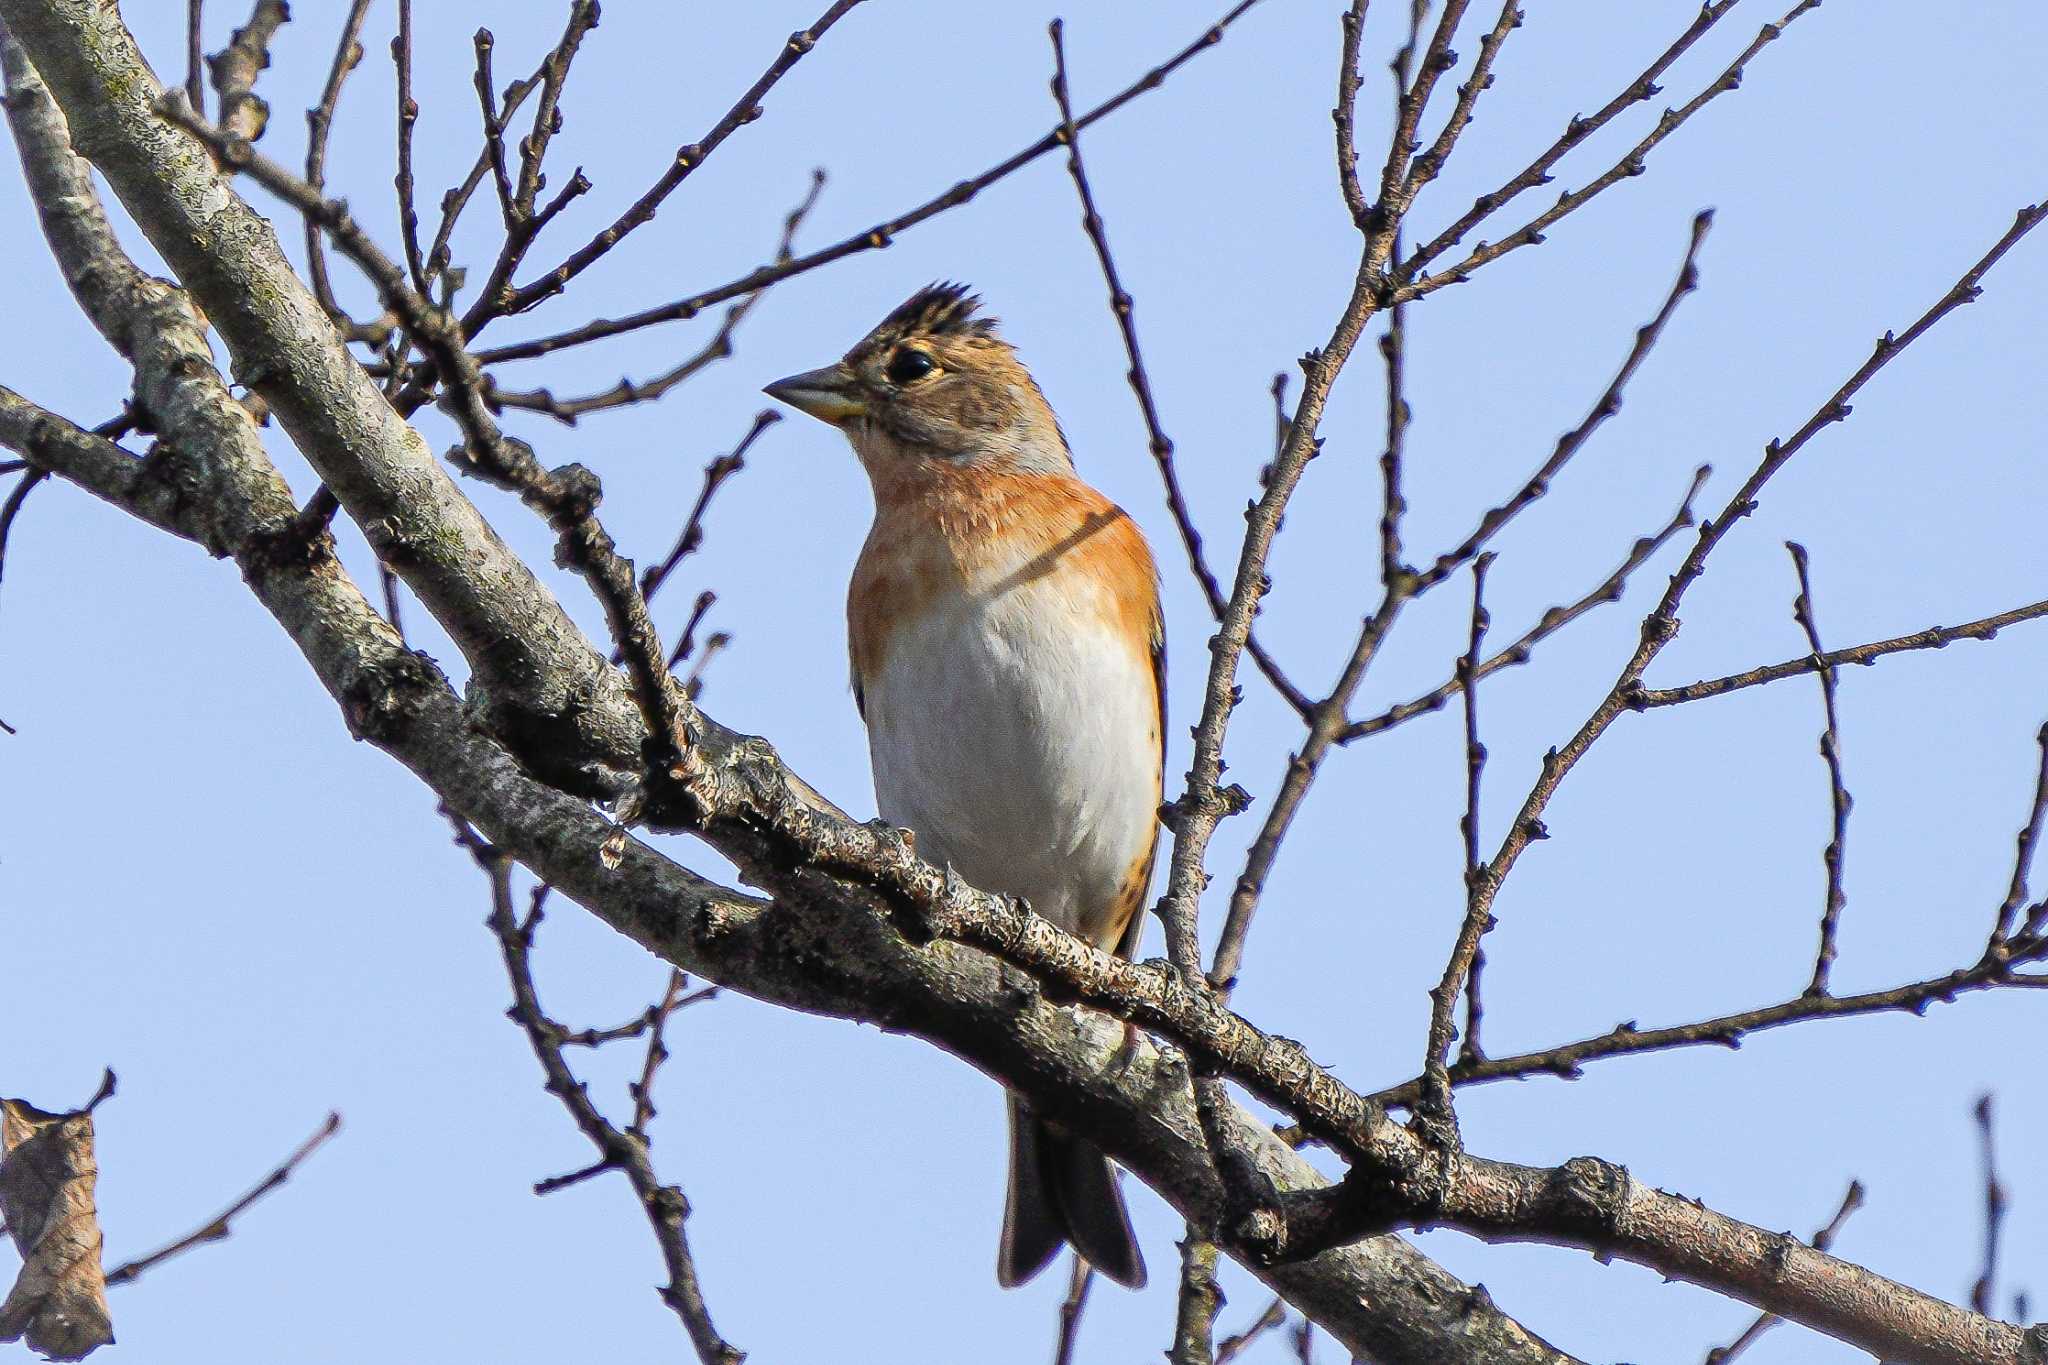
x=947, y=535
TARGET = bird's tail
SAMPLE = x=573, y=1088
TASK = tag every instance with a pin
x=1062, y=1190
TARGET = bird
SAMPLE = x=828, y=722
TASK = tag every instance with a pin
x=1009, y=661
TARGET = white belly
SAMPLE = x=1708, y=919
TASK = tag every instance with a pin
x=1018, y=739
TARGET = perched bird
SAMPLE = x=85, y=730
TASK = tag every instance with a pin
x=1009, y=660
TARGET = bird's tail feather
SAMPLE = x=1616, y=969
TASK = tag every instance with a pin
x=1062, y=1189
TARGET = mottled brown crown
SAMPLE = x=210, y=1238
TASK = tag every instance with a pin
x=943, y=309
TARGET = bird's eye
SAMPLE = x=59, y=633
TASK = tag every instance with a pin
x=909, y=365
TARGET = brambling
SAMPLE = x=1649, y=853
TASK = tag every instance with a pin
x=1009, y=660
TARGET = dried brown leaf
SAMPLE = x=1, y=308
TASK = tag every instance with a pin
x=47, y=1173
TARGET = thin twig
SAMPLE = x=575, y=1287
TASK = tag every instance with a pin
x=1079, y=1282
x=1568, y=1060
x=1537, y=172
x=687, y=643
x=642, y=1090
x=1661, y=625
x=1121, y=305
x=716, y=473
x=1329, y=721
x=1394, y=350
x=1414, y=83
x=12, y=508
x=485, y=43
x=219, y=1227
x=490, y=157
x=1281, y=419
x=1435, y=1106
x=1607, y=405
x=1933, y=637
x=1426, y=166
x=408, y=115
x=628, y=391
x=625, y=1151
x=1344, y=114
x=195, y=55
x=1838, y=794
x=1852, y=1200
x=1231, y=1347
x=348, y=53
x=871, y=239
x=1609, y=589
x=522, y=223
x=1631, y=164
x=687, y=159
x=2022, y=862
x=1983, y=1292
x=693, y=685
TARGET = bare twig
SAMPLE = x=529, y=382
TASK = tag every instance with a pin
x=1435, y=1107
x=12, y=508
x=693, y=685
x=716, y=473
x=625, y=1151
x=687, y=642
x=348, y=53
x=1344, y=114
x=687, y=159
x=1281, y=419
x=628, y=391
x=408, y=115
x=1568, y=1060
x=871, y=239
x=2022, y=863
x=485, y=43
x=1662, y=623
x=1330, y=719
x=195, y=54
x=1231, y=1347
x=1852, y=1200
x=1838, y=794
x=1609, y=589
x=1158, y=442
x=490, y=158
x=1569, y=444
x=522, y=223
x=1079, y=1282
x=1426, y=166
x=1933, y=637
x=1414, y=82
x=1394, y=350
x=1982, y=1293
x=642, y=1090
x=1643, y=87
x=221, y=1225
x=1631, y=164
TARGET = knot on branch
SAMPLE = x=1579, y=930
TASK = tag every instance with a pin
x=294, y=544
x=1586, y=1197
x=381, y=701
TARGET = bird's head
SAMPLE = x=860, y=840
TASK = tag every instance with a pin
x=933, y=383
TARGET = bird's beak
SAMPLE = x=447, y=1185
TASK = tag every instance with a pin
x=830, y=394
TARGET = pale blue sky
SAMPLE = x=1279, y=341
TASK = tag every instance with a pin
x=205, y=885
